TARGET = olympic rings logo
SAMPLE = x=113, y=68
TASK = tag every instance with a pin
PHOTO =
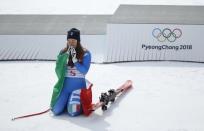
x=166, y=34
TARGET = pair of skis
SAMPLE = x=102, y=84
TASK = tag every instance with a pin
x=104, y=100
x=111, y=95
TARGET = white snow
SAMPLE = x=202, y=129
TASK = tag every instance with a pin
x=166, y=96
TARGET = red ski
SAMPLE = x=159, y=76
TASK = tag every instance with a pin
x=111, y=95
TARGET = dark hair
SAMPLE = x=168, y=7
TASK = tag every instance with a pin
x=80, y=52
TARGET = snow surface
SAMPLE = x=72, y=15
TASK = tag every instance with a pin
x=166, y=96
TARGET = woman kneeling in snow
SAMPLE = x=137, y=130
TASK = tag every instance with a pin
x=72, y=65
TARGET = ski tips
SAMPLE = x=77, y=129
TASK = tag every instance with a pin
x=129, y=81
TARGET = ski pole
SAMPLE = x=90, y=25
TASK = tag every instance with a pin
x=30, y=115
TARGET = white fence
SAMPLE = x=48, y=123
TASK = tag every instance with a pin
x=46, y=47
x=123, y=42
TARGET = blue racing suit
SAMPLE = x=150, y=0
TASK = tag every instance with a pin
x=74, y=81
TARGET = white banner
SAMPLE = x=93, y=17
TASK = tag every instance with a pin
x=138, y=42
